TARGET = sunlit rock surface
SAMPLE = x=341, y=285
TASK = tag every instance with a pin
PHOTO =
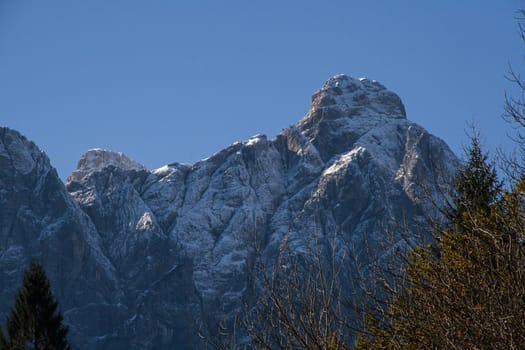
x=147, y=259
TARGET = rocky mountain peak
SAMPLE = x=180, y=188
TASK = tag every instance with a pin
x=155, y=259
x=358, y=96
x=18, y=154
x=345, y=109
x=98, y=159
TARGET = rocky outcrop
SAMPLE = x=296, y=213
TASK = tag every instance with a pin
x=39, y=219
x=143, y=259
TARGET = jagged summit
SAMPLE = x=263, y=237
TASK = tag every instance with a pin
x=345, y=109
x=161, y=254
x=23, y=155
x=98, y=159
x=357, y=96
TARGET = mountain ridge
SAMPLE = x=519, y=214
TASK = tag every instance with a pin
x=173, y=246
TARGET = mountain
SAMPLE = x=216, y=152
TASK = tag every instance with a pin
x=145, y=259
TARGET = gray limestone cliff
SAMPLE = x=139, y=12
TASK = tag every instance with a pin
x=144, y=259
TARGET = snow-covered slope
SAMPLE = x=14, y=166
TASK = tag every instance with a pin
x=176, y=244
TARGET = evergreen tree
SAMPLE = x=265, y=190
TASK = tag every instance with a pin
x=468, y=290
x=476, y=186
x=3, y=344
x=34, y=322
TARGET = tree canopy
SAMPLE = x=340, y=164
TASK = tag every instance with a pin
x=466, y=291
x=35, y=322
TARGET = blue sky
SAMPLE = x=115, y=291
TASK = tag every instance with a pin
x=166, y=81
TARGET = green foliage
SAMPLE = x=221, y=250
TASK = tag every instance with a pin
x=477, y=186
x=468, y=290
x=34, y=322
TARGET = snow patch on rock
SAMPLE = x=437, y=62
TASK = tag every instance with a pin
x=98, y=159
x=346, y=93
x=145, y=223
x=343, y=161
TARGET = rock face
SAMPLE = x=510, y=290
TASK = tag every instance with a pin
x=143, y=259
x=40, y=219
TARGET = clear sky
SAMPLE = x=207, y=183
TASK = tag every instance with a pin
x=176, y=81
